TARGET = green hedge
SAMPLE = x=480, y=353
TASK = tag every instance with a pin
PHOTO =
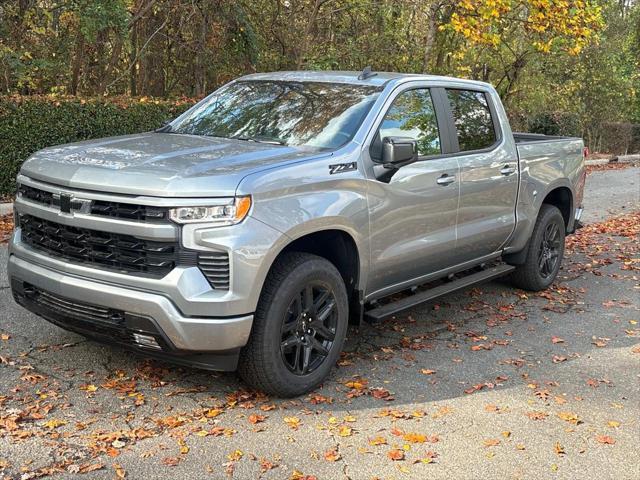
x=28, y=124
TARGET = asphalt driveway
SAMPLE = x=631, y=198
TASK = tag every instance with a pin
x=489, y=382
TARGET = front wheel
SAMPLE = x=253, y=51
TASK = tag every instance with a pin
x=299, y=326
x=544, y=252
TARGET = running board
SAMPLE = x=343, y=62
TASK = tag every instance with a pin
x=389, y=309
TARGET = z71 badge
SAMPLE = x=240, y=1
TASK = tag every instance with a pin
x=342, y=167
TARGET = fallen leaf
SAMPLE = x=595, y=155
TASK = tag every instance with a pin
x=395, y=454
x=569, y=417
x=557, y=340
x=120, y=472
x=377, y=441
x=491, y=442
x=605, y=439
x=254, y=418
x=55, y=423
x=293, y=422
x=414, y=438
x=425, y=371
x=332, y=455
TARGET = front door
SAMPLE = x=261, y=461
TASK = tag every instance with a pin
x=412, y=210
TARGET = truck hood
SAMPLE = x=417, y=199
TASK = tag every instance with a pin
x=159, y=164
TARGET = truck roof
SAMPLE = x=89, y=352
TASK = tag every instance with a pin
x=378, y=79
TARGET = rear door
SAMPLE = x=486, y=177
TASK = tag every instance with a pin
x=488, y=173
x=413, y=210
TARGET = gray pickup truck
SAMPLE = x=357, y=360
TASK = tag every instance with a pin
x=250, y=231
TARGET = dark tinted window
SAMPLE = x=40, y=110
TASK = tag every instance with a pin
x=473, y=119
x=316, y=114
x=412, y=115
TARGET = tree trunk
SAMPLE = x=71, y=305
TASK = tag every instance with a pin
x=77, y=63
x=430, y=36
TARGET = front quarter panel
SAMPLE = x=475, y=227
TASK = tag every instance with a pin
x=313, y=196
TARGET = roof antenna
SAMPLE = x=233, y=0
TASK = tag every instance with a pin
x=366, y=73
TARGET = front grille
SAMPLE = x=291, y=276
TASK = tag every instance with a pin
x=127, y=211
x=215, y=266
x=110, y=250
x=124, y=211
x=37, y=195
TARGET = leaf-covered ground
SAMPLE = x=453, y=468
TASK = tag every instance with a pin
x=491, y=382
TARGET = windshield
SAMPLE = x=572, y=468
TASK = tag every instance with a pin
x=315, y=114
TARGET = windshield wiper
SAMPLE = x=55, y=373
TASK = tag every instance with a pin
x=269, y=140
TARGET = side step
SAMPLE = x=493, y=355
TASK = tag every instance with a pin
x=389, y=309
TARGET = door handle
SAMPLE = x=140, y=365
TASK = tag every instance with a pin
x=508, y=170
x=446, y=179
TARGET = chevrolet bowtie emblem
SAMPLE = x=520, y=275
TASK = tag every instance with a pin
x=69, y=204
x=65, y=203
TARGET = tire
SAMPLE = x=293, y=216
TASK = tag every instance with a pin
x=290, y=331
x=544, y=252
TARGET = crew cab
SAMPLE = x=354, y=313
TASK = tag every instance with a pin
x=251, y=230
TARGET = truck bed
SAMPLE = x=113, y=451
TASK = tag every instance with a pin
x=524, y=138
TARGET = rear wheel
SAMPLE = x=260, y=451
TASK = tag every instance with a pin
x=299, y=326
x=544, y=252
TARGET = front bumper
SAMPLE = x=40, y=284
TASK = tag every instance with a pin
x=182, y=338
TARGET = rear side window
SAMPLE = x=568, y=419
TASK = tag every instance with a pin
x=412, y=115
x=472, y=117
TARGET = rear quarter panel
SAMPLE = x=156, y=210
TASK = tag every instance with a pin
x=545, y=166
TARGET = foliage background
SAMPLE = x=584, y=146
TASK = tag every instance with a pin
x=75, y=69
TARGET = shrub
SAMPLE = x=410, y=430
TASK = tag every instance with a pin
x=28, y=124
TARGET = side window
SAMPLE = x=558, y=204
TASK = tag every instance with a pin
x=412, y=115
x=472, y=118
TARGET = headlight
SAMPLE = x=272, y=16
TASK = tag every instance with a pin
x=225, y=213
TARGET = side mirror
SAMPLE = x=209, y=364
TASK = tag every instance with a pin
x=398, y=151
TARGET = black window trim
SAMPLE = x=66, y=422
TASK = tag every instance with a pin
x=452, y=124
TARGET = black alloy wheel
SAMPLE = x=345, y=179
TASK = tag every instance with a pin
x=309, y=328
x=549, y=251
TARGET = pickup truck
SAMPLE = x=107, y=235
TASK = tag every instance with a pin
x=249, y=232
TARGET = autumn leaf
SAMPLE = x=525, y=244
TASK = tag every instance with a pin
x=55, y=423
x=255, y=418
x=377, y=441
x=559, y=449
x=170, y=461
x=426, y=371
x=569, y=417
x=491, y=442
x=605, y=439
x=381, y=393
x=557, y=340
x=414, y=438
x=293, y=422
x=120, y=472
x=345, y=431
x=537, y=415
x=395, y=454
x=235, y=455
x=213, y=412
x=332, y=455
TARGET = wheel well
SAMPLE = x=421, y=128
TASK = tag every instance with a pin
x=340, y=249
x=336, y=246
x=562, y=199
